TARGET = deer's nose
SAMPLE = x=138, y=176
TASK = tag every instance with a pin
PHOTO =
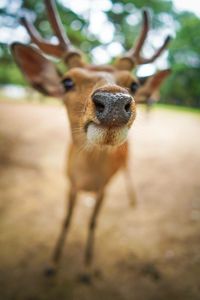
x=112, y=109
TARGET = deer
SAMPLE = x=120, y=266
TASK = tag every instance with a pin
x=101, y=105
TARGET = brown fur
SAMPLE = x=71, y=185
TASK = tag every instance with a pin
x=90, y=168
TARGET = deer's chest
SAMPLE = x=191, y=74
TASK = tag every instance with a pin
x=91, y=171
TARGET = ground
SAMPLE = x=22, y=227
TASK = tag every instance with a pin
x=151, y=252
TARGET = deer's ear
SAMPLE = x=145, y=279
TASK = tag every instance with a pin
x=156, y=80
x=150, y=84
x=39, y=71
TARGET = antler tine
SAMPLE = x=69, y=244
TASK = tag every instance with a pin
x=135, y=51
x=56, y=25
x=36, y=38
x=157, y=53
x=64, y=49
x=134, y=54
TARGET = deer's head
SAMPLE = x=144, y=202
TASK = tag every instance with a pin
x=100, y=100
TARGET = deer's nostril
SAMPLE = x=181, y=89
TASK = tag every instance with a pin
x=99, y=106
x=127, y=107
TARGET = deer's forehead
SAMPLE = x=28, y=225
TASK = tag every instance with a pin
x=108, y=74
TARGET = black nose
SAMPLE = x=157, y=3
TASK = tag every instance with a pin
x=112, y=109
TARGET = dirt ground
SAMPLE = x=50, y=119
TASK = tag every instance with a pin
x=150, y=252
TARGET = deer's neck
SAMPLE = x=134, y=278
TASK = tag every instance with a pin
x=98, y=151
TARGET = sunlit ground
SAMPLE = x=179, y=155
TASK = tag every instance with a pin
x=150, y=252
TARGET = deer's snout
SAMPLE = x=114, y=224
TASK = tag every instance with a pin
x=112, y=109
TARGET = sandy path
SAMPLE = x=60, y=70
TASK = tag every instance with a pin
x=152, y=252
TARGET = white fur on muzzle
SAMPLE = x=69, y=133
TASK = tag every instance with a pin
x=99, y=135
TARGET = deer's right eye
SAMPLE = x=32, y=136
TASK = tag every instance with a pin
x=68, y=84
x=134, y=87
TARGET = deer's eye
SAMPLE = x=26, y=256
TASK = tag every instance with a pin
x=134, y=86
x=68, y=84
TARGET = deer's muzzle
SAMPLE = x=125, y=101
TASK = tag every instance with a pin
x=112, y=109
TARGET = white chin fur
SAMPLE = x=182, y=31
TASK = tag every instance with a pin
x=103, y=136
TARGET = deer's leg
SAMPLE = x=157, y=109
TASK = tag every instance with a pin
x=64, y=230
x=85, y=276
x=89, y=252
x=130, y=187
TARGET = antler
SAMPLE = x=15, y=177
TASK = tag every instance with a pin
x=134, y=54
x=64, y=48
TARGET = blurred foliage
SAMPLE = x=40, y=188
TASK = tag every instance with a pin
x=127, y=27
x=184, y=56
x=182, y=87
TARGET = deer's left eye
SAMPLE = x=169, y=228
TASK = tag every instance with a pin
x=68, y=84
x=134, y=86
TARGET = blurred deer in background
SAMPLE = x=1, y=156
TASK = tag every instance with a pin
x=101, y=106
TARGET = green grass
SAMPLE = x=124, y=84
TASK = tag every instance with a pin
x=177, y=108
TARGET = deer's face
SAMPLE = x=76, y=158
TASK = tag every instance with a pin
x=100, y=103
x=100, y=100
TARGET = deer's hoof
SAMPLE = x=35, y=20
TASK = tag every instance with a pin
x=50, y=271
x=85, y=278
x=133, y=203
x=98, y=274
